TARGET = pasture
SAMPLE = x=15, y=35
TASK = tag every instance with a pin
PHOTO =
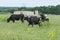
x=20, y=31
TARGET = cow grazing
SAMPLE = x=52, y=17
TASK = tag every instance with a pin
x=44, y=17
x=16, y=17
x=33, y=20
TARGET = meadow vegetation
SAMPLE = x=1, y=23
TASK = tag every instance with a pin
x=20, y=31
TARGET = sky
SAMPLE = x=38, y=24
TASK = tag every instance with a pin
x=28, y=3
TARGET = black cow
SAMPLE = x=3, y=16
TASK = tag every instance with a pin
x=16, y=17
x=33, y=20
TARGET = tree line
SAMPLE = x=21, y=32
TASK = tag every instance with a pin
x=41, y=9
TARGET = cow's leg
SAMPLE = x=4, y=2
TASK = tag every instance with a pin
x=32, y=25
x=8, y=20
x=39, y=24
x=13, y=21
x=22, y=21
x=28, y=24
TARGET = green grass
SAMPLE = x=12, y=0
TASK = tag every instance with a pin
x=20, y=31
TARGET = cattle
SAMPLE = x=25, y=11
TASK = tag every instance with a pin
x=44, y=17
x=14, y=17
x=33, y=20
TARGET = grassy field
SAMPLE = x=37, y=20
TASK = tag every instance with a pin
x=20, y=31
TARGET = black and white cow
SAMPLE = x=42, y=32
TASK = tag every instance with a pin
x=44, y=17
x=33, y=20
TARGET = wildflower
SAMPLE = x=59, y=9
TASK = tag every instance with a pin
x=52, y=34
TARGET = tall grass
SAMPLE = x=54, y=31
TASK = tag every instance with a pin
x=20, y=31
